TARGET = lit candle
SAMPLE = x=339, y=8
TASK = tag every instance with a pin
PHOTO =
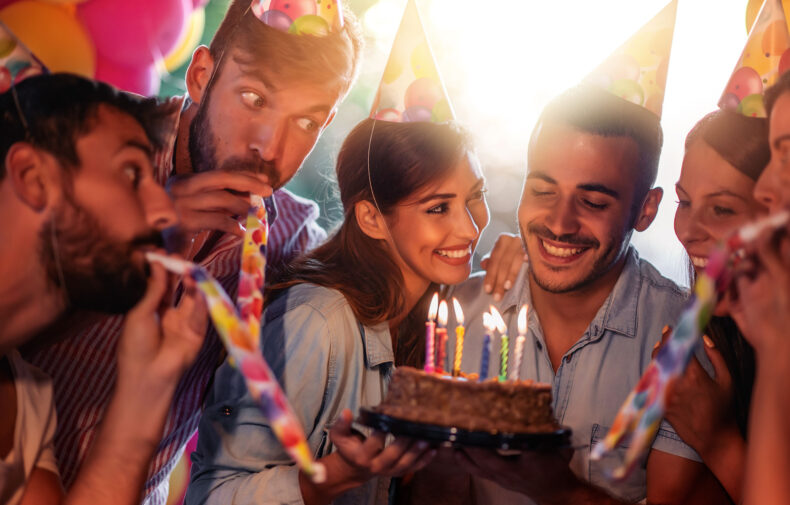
x=505, y=343
x=430, y=327
x=488, y=322
x=459, y=338
x=522, y=332
x=441, y=337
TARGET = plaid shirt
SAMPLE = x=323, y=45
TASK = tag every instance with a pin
x=82, y=363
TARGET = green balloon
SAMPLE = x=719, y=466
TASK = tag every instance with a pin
x=7, y=44
x=309, y=24
x=628, y=90
x=752, y=106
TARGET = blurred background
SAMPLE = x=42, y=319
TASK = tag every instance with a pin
x=501, y=62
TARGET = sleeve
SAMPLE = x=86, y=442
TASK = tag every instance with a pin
x=238, y=459
x=670, y=442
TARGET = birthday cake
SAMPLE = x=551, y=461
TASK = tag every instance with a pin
x=488, y=406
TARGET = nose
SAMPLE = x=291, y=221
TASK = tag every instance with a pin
x=160, y=213
x=767, y=184
x=563, y=218
x=466, y=228
x=269, y=139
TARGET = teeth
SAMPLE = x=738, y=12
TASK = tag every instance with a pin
x=456, y=253
x=699, y=262
x=562, y=252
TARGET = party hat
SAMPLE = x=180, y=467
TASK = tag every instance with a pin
x=765, y=57
x=16, y=61
x=637, y=70
x=411, y=88
x=300, y=17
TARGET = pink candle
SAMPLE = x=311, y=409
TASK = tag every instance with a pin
x=520, y=340
x=430, y=327
x=441, y=337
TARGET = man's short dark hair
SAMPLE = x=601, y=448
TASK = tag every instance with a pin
x=596, y=111
x=52, y=111
x=773, y=93
x=329, y=60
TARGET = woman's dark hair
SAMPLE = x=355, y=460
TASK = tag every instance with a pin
x=742, y=141
x=403, y=158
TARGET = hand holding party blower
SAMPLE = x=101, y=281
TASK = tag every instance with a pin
x=644, y=408
x=240, y=332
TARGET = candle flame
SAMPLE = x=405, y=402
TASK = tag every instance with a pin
x=459, y=314
x=498, y=321
x=488, y=322
x=443, y=313
x=522, y=320
x=434, y=306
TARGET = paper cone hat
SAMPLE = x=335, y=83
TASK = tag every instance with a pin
x=411, y=88
x=762, y=61
x=300, y=17
x=637, y=70
x=16, y=61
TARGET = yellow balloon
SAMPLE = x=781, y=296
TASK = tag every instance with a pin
x=753, y=7
x=53, y=34
x=189, y=41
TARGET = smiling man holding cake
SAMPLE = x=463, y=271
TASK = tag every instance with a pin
x=597, y=309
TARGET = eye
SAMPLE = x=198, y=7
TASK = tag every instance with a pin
x=594, y=205
x=307, y=124
x=252, y=100
x=723, y=211
x=683, y=204
x=132, y=171
x=438, y=209
x=535, y=192
x=478, y=195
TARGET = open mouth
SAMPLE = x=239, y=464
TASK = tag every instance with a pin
x=699, y=261
x=560, y=253
x=455, y=255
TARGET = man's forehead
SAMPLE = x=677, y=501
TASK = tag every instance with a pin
x=116, y=130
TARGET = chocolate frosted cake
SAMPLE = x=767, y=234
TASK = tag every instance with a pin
x=489, y=406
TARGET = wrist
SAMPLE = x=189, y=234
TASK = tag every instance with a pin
x=340, y=477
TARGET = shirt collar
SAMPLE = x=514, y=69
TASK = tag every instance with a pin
x=618, y=313
x=378, y=344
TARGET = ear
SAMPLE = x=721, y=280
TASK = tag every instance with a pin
x=30, y=175
x=199, y=73
x=370, y=221
x=649, y=209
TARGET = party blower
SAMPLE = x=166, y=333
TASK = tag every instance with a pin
x=239, y=327
x=644, y=408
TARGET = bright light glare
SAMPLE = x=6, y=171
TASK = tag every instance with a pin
x=502, y=61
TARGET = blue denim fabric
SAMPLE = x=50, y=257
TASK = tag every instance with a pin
x=326, y=361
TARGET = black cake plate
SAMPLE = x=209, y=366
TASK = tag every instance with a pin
x=457, y=437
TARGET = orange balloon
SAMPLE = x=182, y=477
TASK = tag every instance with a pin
x=53, y=34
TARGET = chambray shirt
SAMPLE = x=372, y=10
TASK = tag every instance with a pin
x=595, y=375
x=326, y=361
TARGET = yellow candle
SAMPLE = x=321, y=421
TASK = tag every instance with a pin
x=459, y=338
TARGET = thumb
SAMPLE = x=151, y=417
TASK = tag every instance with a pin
x=157, y=285
x=723, y=377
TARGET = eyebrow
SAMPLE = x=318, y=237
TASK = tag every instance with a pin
x=598, y=188
x=254, y=73
x=444, y=196
x=780, y=139
x=137, y=144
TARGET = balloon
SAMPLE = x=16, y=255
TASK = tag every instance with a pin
x=327, y=9
x=424, y=92
x=393, y=71
x=417, y=113
x=277, y=19
x=199, y=4
x=309, y=24
x=752, y=105
x=753, y=7
x=143, y=80
x=729, y=101
x=189, y=40
x=5, y=79
x=53, y=35
x=294, y=8
x=628, y=90
x=64, y=2
x=744, y=81
x=391, y=115
x=422, y=62
x=774, y=38
x=7, y=44
x=134, y=33
x=441, y=111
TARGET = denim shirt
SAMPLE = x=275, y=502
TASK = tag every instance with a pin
x=595, y=375
x=326, y=361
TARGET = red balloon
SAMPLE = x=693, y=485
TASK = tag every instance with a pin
x=784, y=62
x=5, y=79
x=744, y=82
x=134, y=33
x=423, y=92
x=143, y=80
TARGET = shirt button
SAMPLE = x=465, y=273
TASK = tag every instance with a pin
x=539, y=345
x=567, y=359
x=226, y=411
